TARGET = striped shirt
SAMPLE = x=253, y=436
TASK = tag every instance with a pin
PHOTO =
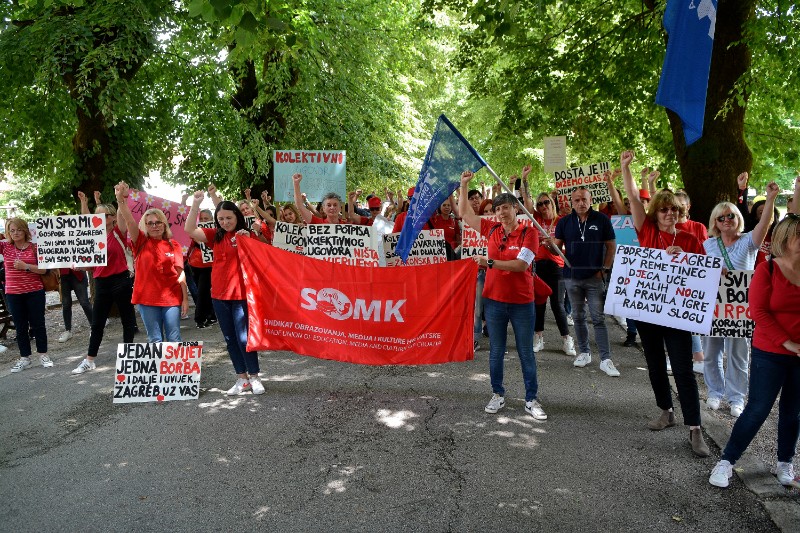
x=20, y=281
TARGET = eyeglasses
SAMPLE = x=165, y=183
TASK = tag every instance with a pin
x=155, y=224
x=543, y=202
x=671, y=209
x=729, y=216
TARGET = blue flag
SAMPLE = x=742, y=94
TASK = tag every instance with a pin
x=449, y=154
x=684, y=78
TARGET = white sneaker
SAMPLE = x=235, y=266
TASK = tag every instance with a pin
x=582, y=360
x=712, y=403
x=608, y=367
x=85, y=366
x=570, y=321
x=721, y=475
x=495, y=404
x=669, y=367
x=256, y=385
x=21, y=364
x=538, y=343
x=569, y=346
x=534, y=408
x=46, y=361
x=697, y=367
x=240, y=387
x=736, y=410
x=64, y=337
x=3, y=349
x=785, y=473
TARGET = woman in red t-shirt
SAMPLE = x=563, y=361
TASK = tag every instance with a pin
x=159, y=289
x=655, y=228
x=775, y=361
x=227, y=288
x=445, y=219
x=24, y=292
x=507, y=293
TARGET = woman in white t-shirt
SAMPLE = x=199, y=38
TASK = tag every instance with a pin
x=738, y=251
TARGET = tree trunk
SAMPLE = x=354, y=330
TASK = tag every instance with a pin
x=709, y=167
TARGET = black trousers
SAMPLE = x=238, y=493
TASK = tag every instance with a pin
x=108, y=291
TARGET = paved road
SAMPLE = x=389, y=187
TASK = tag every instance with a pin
x=340, y=447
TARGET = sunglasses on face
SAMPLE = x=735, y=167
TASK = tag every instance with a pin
x=543, y=202
x=374, y=208
x=672, y=209
x=729, y=216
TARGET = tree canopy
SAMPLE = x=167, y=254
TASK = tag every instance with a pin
x=203, y=90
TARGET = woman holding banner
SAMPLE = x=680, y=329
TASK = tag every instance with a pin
x=227, y=288
x=738, y=251
x=775, y=368
x=507, y=293
x=159, y=290
x=112, y=285
x=655, y=228
x=24, y=292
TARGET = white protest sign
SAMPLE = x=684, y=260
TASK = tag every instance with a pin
x=348, y=244
x=587, y=176
x=71, y=240
x=474, y=244
x=678, y=291
x=323, y=172
x=207, y=253
x=555, y=153
x=732, y=313
x=428, y=249
x=158, y=372
x=289, y=237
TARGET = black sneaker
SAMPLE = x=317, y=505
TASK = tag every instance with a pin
x=202, y=326
x=630, y=341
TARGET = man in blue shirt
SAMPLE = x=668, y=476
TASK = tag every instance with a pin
x=589, y=245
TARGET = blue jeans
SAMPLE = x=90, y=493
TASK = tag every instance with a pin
x=477, y=327
x=521, y=316
x=732, y=384
x=580, y=291
x=156, y=318
x=27, y=310
x=770, y=374
x=233, y=321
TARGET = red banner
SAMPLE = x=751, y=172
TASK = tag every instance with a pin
x=418, y=315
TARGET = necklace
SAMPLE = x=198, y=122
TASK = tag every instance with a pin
x=582, y=229
x=674, y=236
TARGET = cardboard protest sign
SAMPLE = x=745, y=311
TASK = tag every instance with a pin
x=555, y=153
x=289, y=237
x=624, y=230
x=474, y=244
x=71, y=241
x=678, y=291
x=347, y=244
x=732, y=313
x=323, y=172
x=140, y=201
x=208, y=253
x=428, y=249
x=588, y=176
x=158, y=372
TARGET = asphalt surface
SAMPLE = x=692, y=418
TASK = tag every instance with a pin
x=342, y=447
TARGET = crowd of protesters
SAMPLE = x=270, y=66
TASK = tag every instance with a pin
x=146, y=268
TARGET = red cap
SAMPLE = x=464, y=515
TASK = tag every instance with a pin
x=644, y=194
x=374, y=202
x=410, y=192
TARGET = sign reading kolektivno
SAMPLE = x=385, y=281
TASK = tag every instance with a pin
x=323, y=172
x=71, y=241
x=678, y=291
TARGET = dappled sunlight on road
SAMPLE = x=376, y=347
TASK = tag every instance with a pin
x=118, y=465
x=434, y=374
x=225, y=403
x=479, y=377
x=396, y=419
x=259, y=513
x=525, y=507
x=337, y=486
x=294, y=377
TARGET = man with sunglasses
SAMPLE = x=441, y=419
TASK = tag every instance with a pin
x=589, y=245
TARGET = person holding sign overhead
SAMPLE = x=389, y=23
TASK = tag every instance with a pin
x=24, y=292
x=159, y=289
x=739, y=251
x=775, y=368
x=227, y=288
x=507, y=293
x=655, y=228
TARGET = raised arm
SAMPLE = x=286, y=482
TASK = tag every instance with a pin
x=741, y=199
x=84, y=203
x=794, y=205
x=467, y=214
x=352, y=216
x=616, y=199
x=214, y=195
x=651, y=181
x=298, y=199
x=637, y=208
x=760, y=231
x=121, y=191
x=526, y=192
x=190, y=227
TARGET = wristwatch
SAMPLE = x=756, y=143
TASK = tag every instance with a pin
x=490, y=263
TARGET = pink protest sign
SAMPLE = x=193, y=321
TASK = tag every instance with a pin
x=140, y=201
